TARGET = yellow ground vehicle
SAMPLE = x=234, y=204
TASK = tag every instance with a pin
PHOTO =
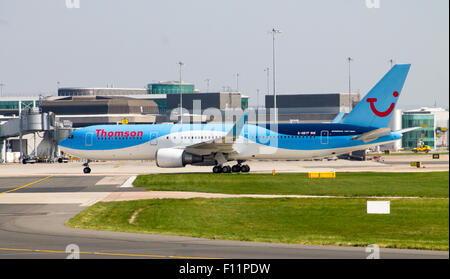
x=422, y=148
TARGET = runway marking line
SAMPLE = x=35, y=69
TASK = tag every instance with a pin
x=103, y=253
x=12, y=249
x=20, y=187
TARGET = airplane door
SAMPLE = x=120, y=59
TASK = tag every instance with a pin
x=324, y=137
x=153, y=138
x=89, y=139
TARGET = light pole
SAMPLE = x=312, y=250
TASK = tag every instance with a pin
x=267, y=70
x=207, y=84
x=181, y=94
x=57, y=88
x=274, y=32
x=349, y=84
x=237, y=82
x=1, y=88
x=257, y=100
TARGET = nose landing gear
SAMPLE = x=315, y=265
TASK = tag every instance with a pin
x=87, y=169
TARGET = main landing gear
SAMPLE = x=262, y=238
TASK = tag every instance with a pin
x=228, y=169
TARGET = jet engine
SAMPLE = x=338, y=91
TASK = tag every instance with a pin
x=175, y=158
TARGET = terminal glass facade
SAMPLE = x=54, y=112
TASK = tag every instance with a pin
x=170, y=88
x=15, y=104
x=244, y=103
x=426, y=133
x=162, y=104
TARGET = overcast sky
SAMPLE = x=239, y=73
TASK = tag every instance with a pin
x=129, y=43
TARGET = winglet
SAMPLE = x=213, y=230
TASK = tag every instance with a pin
x=237, y=128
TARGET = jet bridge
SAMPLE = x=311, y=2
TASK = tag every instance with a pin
x=29, y=121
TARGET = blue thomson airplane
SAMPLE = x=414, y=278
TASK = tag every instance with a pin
x=176, y=145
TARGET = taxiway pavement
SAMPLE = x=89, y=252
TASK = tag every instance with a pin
x=34, y=228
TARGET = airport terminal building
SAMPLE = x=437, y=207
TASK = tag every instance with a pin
x=75, y=107
x=301, y=108
x=434, y=123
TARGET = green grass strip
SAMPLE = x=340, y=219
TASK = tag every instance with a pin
x=414, y=184
x=413, y=223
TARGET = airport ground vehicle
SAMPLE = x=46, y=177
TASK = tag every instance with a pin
x=423, y=148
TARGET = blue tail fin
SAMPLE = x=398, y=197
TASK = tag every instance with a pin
x=375, y=110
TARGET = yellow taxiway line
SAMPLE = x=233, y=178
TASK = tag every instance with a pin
x=101, y=253
x=20, y=187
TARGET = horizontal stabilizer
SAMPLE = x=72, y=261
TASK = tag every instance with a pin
x=373, y=135
x=402, y=131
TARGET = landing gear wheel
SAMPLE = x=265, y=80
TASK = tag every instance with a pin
x=226, y=169
x=236, y=168
x=245, y=168
x=217, y=169
x=87, y=170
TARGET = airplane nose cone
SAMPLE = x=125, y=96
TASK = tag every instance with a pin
x=66, y=142
x=63, y=143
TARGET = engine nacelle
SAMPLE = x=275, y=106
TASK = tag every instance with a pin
x=175, y=158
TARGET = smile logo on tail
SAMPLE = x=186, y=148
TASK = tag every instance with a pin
x=381, y=113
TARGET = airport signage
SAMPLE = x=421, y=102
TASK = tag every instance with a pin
x=378, y=207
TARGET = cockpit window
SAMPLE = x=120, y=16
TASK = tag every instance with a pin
x=70, y=137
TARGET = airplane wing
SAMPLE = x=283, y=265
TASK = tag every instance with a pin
x=373, y=135
x=223, y=144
